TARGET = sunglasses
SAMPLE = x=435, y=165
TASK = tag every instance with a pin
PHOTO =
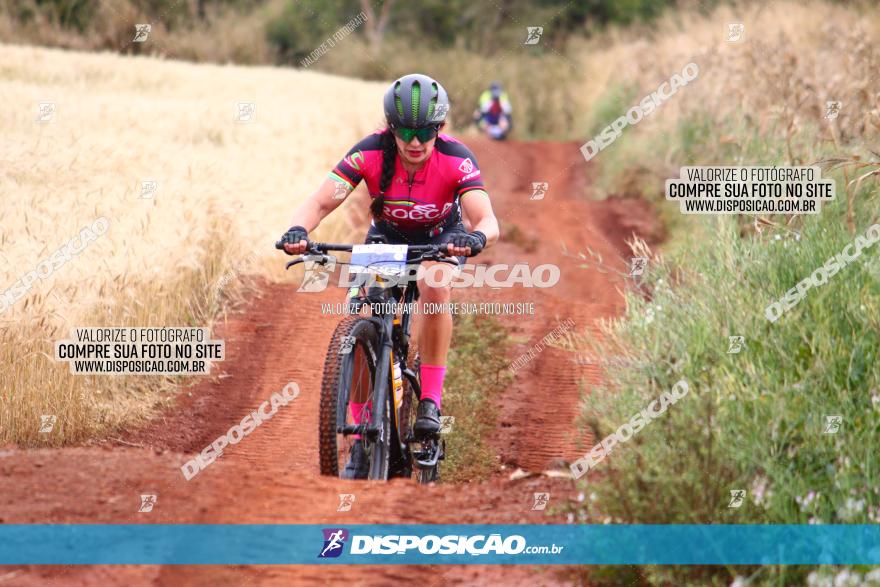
x=424, y=134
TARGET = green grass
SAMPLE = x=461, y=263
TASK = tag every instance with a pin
x=476, y=372
x=752, y=420
x=612, y=104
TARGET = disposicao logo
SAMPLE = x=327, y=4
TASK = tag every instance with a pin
x=334, y=540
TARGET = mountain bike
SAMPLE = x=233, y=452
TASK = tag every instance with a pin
x=369, y=359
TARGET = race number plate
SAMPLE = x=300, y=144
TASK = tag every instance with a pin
x=378, y=258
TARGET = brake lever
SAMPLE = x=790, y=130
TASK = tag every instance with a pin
x=324, y=259
x=445, y=259
x=451, y=261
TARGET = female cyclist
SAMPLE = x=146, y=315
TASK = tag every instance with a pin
x=419, y=182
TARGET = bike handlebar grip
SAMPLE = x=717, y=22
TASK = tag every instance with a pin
x=310, y=247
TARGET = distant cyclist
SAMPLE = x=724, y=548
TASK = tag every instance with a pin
x=493, y=114
x=420, y=181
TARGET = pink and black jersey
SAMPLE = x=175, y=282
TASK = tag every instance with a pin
x=433, y=193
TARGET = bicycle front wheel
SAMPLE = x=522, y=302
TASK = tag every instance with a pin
x=347, y=390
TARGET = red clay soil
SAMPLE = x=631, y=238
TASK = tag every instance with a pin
x=272, y=475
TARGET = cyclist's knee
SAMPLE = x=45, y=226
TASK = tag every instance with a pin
x=435, y=283
x=435, y=294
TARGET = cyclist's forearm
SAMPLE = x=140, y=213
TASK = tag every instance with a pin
x=309, y=215
x=312, y=211
x=489, y=227
x=478, y=210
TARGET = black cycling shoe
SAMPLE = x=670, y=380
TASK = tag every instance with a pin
x=358, y=466
x=428, y=419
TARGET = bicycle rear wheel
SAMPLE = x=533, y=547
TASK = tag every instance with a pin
x=349, y=373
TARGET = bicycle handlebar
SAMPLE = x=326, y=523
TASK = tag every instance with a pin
x=428, y=252
x=317, y=248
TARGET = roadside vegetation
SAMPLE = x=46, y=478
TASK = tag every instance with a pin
x=791, y=418
x=476, y=373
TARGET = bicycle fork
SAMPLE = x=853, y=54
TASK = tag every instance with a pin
x=380, y=386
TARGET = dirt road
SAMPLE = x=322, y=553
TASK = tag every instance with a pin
x=272, y=475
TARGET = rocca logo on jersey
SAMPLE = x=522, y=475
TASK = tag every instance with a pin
x=466, y=166
x=417, y=211
x=334, y=542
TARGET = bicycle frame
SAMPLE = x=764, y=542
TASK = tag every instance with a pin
x=385, y=325
x=393, y=339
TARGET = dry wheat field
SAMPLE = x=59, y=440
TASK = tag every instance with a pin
x=81, y=134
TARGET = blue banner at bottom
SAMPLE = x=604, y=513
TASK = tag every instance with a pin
x=252, y=544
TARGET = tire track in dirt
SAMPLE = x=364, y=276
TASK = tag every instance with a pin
x=272, y=475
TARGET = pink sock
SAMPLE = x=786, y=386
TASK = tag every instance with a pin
x=432, y=382
x=358, y=412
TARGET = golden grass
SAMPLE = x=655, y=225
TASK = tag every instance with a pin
x=794, y=58
x=225, y=193
x=761, y=101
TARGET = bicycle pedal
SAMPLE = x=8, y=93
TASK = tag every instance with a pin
x=427, y=457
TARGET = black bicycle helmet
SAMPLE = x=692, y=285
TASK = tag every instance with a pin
x=414, y=101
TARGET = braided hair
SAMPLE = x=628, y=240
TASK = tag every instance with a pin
x=389, y=153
